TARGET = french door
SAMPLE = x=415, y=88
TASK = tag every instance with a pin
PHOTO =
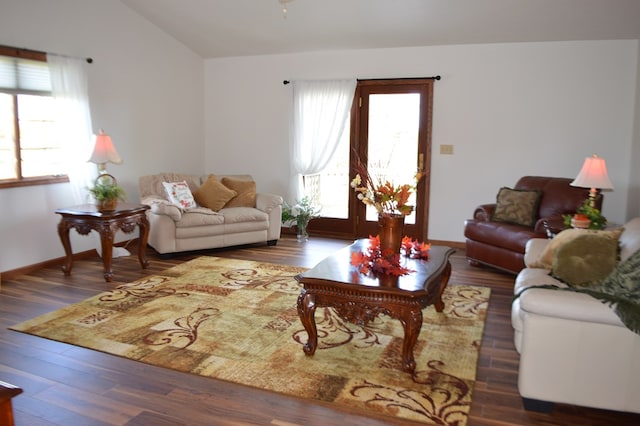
x=390, y=130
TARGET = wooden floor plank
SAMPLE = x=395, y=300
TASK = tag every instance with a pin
x=68, y=385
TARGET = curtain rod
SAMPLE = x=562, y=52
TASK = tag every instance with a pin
x=436, y=77
x=20, y=52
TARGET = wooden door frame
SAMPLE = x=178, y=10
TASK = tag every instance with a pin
x=346, y=228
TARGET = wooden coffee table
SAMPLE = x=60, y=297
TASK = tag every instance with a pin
x=359, y=298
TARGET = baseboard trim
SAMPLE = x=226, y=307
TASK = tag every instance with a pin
x=14, y=273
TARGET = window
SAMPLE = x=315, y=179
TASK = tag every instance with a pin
x=30, y=152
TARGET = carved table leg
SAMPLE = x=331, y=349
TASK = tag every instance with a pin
x=306, y=312
x=412, y=323
x=444, y=280
x=63, y=232
x=142, y=243
x=106, y=241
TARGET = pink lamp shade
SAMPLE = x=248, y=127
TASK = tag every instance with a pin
x=593, y=174
x=104, y=152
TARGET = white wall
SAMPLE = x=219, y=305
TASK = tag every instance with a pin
x=509, y=110
x=145, y=90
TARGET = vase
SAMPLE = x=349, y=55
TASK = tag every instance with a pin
x=390, y=230
x=303, y=235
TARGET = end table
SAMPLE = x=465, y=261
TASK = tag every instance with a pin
x=86, y=217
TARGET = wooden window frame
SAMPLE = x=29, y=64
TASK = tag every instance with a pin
x=27, y=181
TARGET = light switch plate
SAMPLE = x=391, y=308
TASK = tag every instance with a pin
x=446, y=149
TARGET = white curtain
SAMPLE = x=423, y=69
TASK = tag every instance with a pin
x=70, y=87
x=320, y=113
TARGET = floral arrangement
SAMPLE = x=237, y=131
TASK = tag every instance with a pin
x=374, y=260
x=587, y=212
x=300, y=213
x=387, y=198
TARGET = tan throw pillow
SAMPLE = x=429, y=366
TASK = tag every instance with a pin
x=585, y=259
x=516, y=206
x=213, y=194
x=246, y=190
x=567, y=236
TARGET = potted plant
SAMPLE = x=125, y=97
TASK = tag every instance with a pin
x=300, y=214
x=586, y=216
x=107, y=192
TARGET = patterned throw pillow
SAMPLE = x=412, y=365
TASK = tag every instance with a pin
x=180, y=194
x=213, y=194
x=516, y=206
x=246, y=190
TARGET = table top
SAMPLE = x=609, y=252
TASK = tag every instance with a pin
x=91, y=210
x=337, y=268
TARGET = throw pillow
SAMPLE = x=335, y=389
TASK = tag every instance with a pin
x=213, y=194
x=567, y=236
x=588, y=257
x=517, y=206
x=180, y=194
x=246, y=190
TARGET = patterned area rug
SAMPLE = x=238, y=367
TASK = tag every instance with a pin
x=237, y=321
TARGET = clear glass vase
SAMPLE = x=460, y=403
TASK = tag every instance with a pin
x=303, y=235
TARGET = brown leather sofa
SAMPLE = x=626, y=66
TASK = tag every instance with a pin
x=501, y=244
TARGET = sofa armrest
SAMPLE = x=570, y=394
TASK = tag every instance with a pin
x=484, y=212
x=161, y=206
x=267, y=202
x=533, y=250
x=568, y=305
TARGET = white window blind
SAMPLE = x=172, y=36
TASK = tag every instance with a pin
x=19, y=75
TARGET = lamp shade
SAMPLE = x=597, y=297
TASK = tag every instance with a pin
x=104, y=151
x=593, y=174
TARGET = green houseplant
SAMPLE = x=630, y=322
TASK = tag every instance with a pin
x=586, y=210
x=107, y=192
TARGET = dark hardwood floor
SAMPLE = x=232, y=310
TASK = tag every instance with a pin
x=67, y=385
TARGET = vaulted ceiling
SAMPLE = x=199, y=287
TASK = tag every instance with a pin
x=219, y=28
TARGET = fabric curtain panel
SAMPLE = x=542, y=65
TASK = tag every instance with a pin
x=320, y=114
x=70, y=88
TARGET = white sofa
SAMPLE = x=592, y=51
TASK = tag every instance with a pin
x=573, y=348
x=175, y=229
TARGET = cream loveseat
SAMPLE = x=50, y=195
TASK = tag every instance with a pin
x=575, y=349
x=229, y=212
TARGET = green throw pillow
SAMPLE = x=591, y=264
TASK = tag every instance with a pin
x=585, y=259
x=517, y=206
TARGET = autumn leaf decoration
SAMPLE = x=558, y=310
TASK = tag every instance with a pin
x=374, y=260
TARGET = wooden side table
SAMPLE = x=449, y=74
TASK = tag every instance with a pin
x=86, y=217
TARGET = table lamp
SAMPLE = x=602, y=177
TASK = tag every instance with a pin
x=104, y=152
x=593, y=176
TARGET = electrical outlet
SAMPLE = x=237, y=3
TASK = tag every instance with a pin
x=446, y=149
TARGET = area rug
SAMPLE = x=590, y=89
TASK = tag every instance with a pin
x=237, y=321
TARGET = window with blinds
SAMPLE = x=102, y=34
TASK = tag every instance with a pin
x=29, y=149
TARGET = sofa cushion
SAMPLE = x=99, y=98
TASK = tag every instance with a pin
x=200, y=216
x=630, y=239
x=567, y=236
x=516, y=206
x=180, y=194
x=246, y=190
x=213, y=194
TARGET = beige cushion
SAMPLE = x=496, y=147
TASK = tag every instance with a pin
x=213, y=194
x=585, y=259
x=246, y=190
x=567, y=236
x=516, y=206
